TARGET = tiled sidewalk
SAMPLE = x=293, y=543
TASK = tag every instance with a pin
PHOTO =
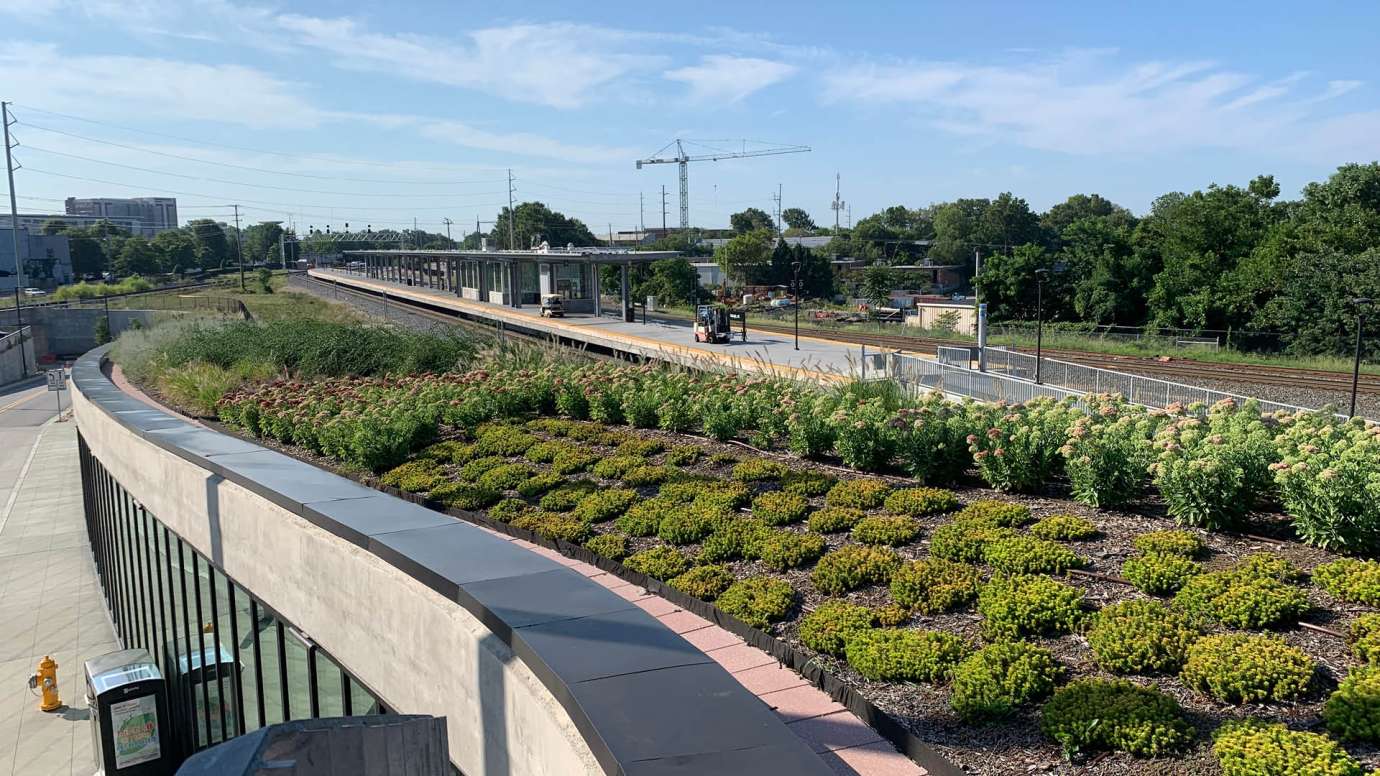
x=843, y=741
x=50, y=604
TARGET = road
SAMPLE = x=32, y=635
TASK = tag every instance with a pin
x=24, y=407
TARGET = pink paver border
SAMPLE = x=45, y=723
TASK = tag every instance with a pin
x=842, y=740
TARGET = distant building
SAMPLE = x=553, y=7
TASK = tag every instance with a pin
x=47, y=260
x=35, y=221
x=156, y=214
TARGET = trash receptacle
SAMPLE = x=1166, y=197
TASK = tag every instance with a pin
x=128, y=702
x=193, y=676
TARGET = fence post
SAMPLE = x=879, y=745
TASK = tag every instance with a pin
x=864, y=362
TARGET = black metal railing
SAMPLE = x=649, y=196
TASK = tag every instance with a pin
x=167, y=598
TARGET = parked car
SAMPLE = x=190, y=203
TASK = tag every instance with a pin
x=35, y=292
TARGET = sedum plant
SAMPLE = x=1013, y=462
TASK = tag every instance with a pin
x=887, y=530
x=917, y=502
x=1159, y=573
x=704, y=582
x=660, y=562
x=1028, y=605
x=1101, y=714
x=854, y=566
x=1251, y=747
x=1029, y=555
x=1239, y=599
x=1348, y=579
x=834, y=519
x=758, y=601
x=1064, y=528
x=1326, y=480
x=1108, y=452
x=995, y=680
x=932, y=439
x=891, y=654
x=1017, y=448
x=1140, y=637
x=1352, y=713
x=782, y=550
x=833, y=624
x=1244, y=668
x=934, y=585
x=858, y=494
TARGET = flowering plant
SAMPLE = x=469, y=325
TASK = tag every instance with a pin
x=1329, y=480
x=1108, y=452
x=1018, y=448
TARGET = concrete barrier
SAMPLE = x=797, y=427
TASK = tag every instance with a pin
x=17, y=356
x=69, y=331
x=537, y=669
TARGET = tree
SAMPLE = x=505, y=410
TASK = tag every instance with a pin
x=744, y=258
x=816, y=273
x=672, y=280
x=213, y=247
x=796, y=218
x=750, y=220
x=1008, y=285
x=1314, y=308
x=54, y=226
x=137, y=257
x=1081, y=206
x=534, y=222
x=261, y=242
x=877, y=284
x=1110, y=280
x=177, y=250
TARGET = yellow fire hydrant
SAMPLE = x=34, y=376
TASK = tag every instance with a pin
x=46, y=679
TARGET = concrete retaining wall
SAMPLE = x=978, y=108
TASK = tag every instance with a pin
x=62, y=331
x=16, y=363
x=422, y=653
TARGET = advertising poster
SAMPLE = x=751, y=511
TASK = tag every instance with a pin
x=134, y=724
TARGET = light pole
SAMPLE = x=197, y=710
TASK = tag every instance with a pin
x=1361, y=303
x=795, y=273
x=1040, y=276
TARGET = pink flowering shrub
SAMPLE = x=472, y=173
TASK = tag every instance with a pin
x=1108, y=452
x=1213, y=470
x=863, y=436
x=931, y=439
x=1018, y=448
x=1329, y=480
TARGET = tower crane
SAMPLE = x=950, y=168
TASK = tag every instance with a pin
x=683, y=159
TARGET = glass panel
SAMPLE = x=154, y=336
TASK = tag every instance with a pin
x=298, y=692
x=570, y=281
x=328, y=686
x=268, y=652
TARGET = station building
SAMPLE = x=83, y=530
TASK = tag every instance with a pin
x=511, y=278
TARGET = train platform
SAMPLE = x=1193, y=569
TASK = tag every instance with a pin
x=766, y=353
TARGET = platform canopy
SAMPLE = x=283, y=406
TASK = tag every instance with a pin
x=591, y=255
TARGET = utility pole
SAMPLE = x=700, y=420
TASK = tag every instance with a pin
x=14, y=235
x=512, y=239
x=641, y=214
x=239, y=246
x=663, y=211
x=837, y=205
x=447, y=222
x=779, y=230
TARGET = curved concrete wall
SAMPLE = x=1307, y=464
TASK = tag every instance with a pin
x=537, y=669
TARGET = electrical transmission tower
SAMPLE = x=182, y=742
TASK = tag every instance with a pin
x=838, y=205
x=683, y=159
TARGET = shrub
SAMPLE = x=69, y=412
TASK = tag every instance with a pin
x=1108, y=452
x=1100, y=714
x=602, y=505
x=1357, y=581
x=1014, y=606
x=639, y=408
x=852, y=566
x=644, y=518
x=659, y=562
x=734, y=538
x=503, y=440
x=723, y=495
x=648, y=475
x=1028, y=555
x=757, y=601
x=566, y=497
x=723, y=459
x=832, y=625
x=779, y=508
x=540, y=483
x=704, y=582
x=1326, y=481
x=934, y=585
x=965, y=540
x=916, y=502
x=687, y=524
x=1212, y=470
x=450, y=451
x=759, y=470
x=1018, y=446
x=415, y=476
x=993, y=681
x=1268, y=564
x=1364, y=636
x=472, y=471
x=1250, y=747
x=557, y=525
x=1241, y=600
x=1353, y=711
x=1159, y=573
x=1244, y=668
x=1064, y=528
x=615, y=467
x=719, y=422
x=509, y=508
x=572, y=461
x=1185, y=543
x=610, y=545
x=546, y=452
x=462, y=495
x=684, y=455
x=890, y=654
x=505, y=477
x=891, y=615
x=1140, y=637
x=807, y=483
x=931, y=439
x=641, y=448
x=889, y=530
x=809, y=428
x=834, y=519
x=860, y=494
x=786, y=549
x=994, y=512
x=863, y=436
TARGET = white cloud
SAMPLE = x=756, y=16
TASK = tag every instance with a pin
x=1084, y=103
x=723, y=78
x=122, y=86
x=522, y=143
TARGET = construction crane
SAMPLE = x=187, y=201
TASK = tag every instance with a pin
x=683, y=159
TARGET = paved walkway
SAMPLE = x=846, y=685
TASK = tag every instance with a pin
x=671, y=341
x=50, y=600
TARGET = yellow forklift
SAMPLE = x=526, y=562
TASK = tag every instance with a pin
x=711, y=323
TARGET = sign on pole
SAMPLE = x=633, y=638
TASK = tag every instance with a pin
x=57, y=379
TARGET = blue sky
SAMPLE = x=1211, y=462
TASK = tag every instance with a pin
x=381, y=112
